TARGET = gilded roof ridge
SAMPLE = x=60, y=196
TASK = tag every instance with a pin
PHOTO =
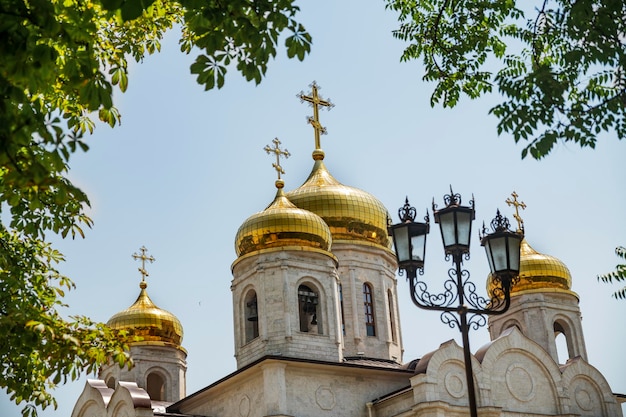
x=143, y=301
x=320, y=176
x=525, y=248
x=280, y=202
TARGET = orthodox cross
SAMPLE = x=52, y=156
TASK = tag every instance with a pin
x=517, y=204
x=143, y=258
x=315, y=101
x=278, y=152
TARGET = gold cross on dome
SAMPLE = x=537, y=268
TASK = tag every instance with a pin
x=143, y=258
x=315, y=101
x=517, y=204
x=278, y=152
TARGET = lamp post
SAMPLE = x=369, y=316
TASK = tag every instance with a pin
x=455, y=222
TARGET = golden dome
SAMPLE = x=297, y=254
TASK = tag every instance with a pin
x=539, y=272
x=147, y=321
x=282, y=224
x=350, y=213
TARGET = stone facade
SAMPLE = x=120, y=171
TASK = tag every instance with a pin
x=158, y=369
x=360, y=265
x=540, y=315
x=276, y=278
x=288, y=387
x=514, y=377
x=290, y=367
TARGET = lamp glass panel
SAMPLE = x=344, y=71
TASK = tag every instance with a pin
x=464, y=225
x=499, y=253
x=489, y=256
x=448, y=232
x=418, y=244
x=514, y=253
x=401, y=242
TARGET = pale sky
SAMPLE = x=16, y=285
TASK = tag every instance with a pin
x=187, y=167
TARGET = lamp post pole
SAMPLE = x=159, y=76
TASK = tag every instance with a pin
x=502, y=247
x=467, y=355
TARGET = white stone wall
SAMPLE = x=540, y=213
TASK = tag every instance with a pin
x=535, y=312
x=513, y=375
x=302, y=389
x=275, y=276
x=168, y=361
x=360, y=264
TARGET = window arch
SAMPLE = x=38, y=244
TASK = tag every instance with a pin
x=509, y=324
x=155, y=386
x=110, y=381
x=562, y=342
x=368, y=303
x=392, y=321
x=251, y=308
x=308, y=309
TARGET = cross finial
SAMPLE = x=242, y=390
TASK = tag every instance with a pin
x=315, y=101
x=517, y=204
x=142, y=270
x=278, y=152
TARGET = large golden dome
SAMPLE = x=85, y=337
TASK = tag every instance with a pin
x=539, y=272
x=282, y=224
x=350, y=213
x=147, y=321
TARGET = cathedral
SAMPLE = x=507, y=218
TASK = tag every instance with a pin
x=317, y=329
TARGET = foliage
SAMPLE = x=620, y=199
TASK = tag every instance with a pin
x=241, y=32
x=39, y=348
x=619, y=275
x=60, y=61
x=559, y=65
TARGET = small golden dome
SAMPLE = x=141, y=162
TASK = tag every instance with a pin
x=539, y=272
x=282, y=224
x=147, y=321
x=350, y=213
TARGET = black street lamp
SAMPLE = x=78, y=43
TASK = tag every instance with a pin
x=455, y=222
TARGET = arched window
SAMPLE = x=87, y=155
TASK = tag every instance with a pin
x=562, y=343
x=308, y=310
x=343, y=320
x=251, y=308
x=392, y=322
x=509, y=324
x=368, y=302
x=156, y=387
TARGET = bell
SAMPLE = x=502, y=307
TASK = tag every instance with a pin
x=254, y=315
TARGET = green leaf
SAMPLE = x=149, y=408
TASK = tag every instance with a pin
x=112, y=4
x=132, y=9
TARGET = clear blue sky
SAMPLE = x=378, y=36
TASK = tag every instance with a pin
x=186, y=168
